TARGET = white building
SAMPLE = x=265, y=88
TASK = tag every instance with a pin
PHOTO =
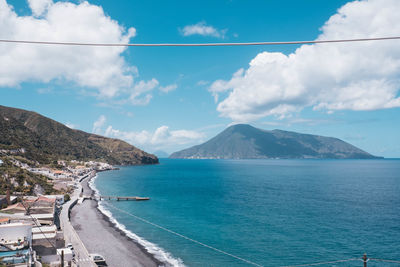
x=58, y=198
x=44, y=218
x=16, y=235
x=44, y=232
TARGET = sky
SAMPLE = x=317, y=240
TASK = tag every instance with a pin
x=170, y=98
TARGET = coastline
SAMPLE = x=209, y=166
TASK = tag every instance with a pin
x=136, y=250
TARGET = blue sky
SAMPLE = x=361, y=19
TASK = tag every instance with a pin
x=165, y=98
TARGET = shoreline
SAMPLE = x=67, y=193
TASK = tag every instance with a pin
x=108, y=219
x=95, y=229
x=147, y=253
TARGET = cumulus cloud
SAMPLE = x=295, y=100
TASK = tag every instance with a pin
x=45, y=90
x=202, y=83
x=38, y=7
x=71, y=125
x=161, y=138
x=287, y=122
x=201, y=28
x=140, y=94
x=100, y=69
x=98, y=124
x=168, y=88
x=347, y=76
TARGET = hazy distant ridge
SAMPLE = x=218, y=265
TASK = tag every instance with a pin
x=243, y=141
x=45, y=139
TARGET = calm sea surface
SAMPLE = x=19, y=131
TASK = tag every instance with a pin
x=272, y=212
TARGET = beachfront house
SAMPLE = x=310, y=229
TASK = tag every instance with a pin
x=16, y=208
x=42, y=235
x=59, y=198
x=14, y=236
x=15, y=243
x=41, y=208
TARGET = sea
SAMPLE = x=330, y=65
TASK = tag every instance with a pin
x=259, y=212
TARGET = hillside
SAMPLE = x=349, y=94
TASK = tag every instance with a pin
x=243, y=141
x=45, y=140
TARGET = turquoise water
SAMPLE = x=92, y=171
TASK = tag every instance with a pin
x=272, y=212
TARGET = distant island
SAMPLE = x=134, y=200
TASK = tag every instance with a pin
x=243, y=141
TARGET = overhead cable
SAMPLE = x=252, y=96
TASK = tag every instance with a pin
x=320, y=263
x=185, y=237
x=37, y=225
x=198, y=44
x=384, y=260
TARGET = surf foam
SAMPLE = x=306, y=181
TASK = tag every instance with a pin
x=159, y=253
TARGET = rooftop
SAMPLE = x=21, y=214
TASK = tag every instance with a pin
x=16, y=208
x=17, y=224
x=4, y=220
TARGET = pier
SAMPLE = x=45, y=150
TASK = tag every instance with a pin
x=118, y=198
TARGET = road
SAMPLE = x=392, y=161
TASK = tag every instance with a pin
x=70, y=236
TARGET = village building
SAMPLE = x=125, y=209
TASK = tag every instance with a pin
x=17, y=208
x=16, y=243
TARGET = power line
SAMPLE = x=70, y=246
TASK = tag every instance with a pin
x=199, y=44
x=320, y=263
x=34, y=220
x=185, y=237
x=237, y=257
x=383, y=260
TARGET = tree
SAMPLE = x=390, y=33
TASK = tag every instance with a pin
x=67, y=197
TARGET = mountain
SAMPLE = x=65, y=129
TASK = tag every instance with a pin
x=46, y=140
x=243, y=141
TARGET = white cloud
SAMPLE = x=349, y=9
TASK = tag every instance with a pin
x=102, y=70
x=98, y=124
x=44, y=90
x=127, y=113
x=203, y=29
x=71, y=125
x=168, y=88
x=289, y=121
x=161, y=138
x=38, y=7
x=202, y=83
x=352, y=76
x=140, y=89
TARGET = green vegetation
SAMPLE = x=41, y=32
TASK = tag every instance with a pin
x=67, y=198
x=35, y=140
x=244, y=141
x=46, y=141
x=19, y=180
